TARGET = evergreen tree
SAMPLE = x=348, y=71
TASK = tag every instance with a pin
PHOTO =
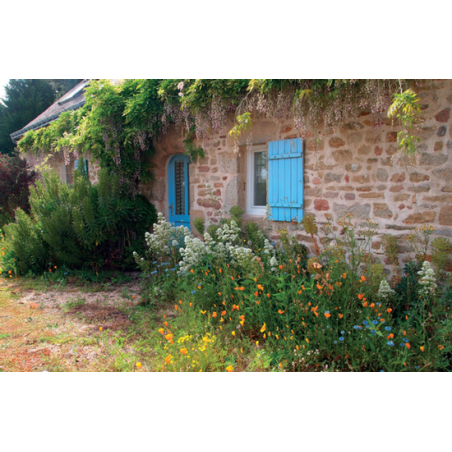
x=25, y=100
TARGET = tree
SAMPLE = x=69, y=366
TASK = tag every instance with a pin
x=25, y=100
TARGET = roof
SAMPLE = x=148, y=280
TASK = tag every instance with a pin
x=72, y=100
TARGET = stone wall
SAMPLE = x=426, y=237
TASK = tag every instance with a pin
x=353, y=168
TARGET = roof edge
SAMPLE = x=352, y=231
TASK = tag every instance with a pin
x=44, y=122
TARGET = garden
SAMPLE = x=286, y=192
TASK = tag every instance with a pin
x=231, y=298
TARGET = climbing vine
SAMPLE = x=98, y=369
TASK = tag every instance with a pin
x=119, y=122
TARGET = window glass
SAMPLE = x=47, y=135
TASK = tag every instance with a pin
x=180, y=188
x=260, y=178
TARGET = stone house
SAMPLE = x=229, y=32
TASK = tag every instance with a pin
x=352, y=167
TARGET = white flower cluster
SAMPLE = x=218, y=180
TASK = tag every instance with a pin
x=428, y=280
x=228, y=234
x=165, y=235
x=195, y=250
x=385, y=290
x=241, y=255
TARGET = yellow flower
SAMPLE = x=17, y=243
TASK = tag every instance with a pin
x=184, y=351
x=230, y=368
x=138, y=365
x=101, y=329
x=263, y=328
x=233, y=333
x=161, y=330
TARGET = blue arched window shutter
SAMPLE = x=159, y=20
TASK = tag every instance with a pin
x=285, y=179
x=79, y=161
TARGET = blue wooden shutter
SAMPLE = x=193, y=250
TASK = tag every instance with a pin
x=285, y=179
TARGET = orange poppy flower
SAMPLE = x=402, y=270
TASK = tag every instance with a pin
x=344, y=275
x=298, y=348
x=327, y=315
x=277, y=337
x=300, y=292
x=408, y=345
x=165, y=323
x=242, y=288
x=214, y=314
x=391, y=336
x=280, y=267
x=363, y=278
x=314, y=309
x=191, y=270
x=180, y=301
x=372, y=305
x=101, y=329
x=168, y=359
x=169, y=337
x=341, y=315
x=256, y=294
x=230, y=368
x=161, y=331
x=221, y=271
x=360, y=296
x=319, y=287
x=138, y=365
x=365, y=304
x=307, y=340
x=184, y=351
x=302, y=286
x=232, y=278
x=422, y=349
x=233, y=333
x=441, y=347
x=260, y=287
x=190, y=304
x=280, y=311
x=258, y=302
x=268, y=295
x=389, y=310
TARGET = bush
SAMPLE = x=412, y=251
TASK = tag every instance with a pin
x=80, y=226
x=15, y=180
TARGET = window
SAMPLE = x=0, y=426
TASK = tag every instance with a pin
x=257, y=180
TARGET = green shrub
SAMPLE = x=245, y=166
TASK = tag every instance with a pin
x=198, y=223
x=79, y=226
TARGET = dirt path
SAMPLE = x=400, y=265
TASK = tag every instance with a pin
x=69, y=329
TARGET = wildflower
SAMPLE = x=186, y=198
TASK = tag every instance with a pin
x=203, y=312
x=387, y=328
x=375, y=322
x=365, y=322
x=230, y=368
x=327, y=314
x=299, y=292
x=342, y=332
x=427, y=281
x=341, y=315
x=161, y=331
x=360, y=296
x=214, y=315
x=223, y=313
x=277, y=337
x=389, y=310
x=404, y=333
x=344, y=275
x=264, y=326
x=422, y=348
x=280, y=312
x=307, y=340
x=280, y=267
x=257, y=343
x=391, y=336
x=168, y=359
x=268, y=295
x=319, y=287
x=407, y=345
x=221, y=271
x=193, y=292
x=363, y=278
x=233, y=333
x=385, y=290
x=390, y=343
x=260, y=287
x=138, y=365
x=169, y=337
x=190, y=304
x=191, y=270
x=101, y=329
x=341, y=338
x=184, y=351
x=441, y=347
x=365, y=304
